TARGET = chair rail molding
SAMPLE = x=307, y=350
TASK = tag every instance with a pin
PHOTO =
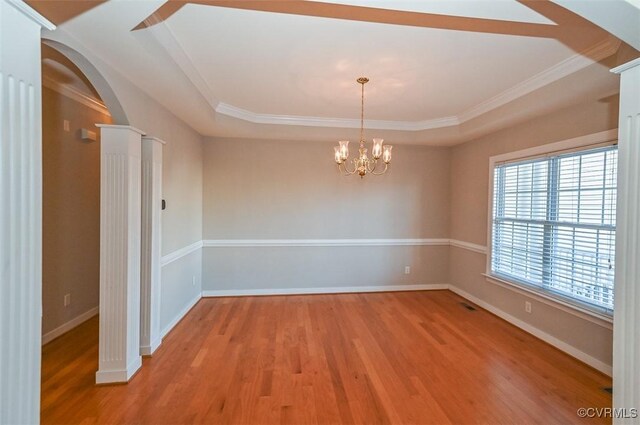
x=626, y=316
x=253, y=243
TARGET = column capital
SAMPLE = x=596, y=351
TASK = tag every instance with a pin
x=31, y=13
x=153, y=139
x=121, y=127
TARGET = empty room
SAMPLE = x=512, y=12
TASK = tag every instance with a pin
x=319, y=212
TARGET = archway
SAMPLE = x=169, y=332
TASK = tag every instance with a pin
x=129, y=228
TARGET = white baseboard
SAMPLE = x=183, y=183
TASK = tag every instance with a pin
x=51, y=335
x=325, y=290
x=119, y=376
x=561, y=345
x=180, y=315
x=147, y=350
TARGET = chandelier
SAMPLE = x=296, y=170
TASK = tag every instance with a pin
x=362, y=164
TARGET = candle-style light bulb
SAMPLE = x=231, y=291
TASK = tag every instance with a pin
x=376, y=151
x=337, y=156
x=344, y=149
x=386, y=154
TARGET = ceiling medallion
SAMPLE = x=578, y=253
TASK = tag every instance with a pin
x=362, y=164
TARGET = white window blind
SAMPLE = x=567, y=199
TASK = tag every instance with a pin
x=554, y=224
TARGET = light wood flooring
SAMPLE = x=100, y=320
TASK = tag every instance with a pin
x=398, y=357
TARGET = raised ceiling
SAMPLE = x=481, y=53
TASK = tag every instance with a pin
x=288, y=69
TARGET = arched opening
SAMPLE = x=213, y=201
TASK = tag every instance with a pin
x=71, y=107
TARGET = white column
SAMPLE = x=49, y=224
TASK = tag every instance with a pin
x=20, y=212
x=150, y=337
x=120, y=233
x=626, y=318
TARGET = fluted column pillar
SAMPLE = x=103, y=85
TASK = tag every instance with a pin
x=20, y=212
x=626, y=316
x=120, y=236
x=150, y=337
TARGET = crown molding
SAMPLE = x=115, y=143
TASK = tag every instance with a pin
x=75, y=94
x=575, y=63
x=167, y=39
x=31, y=13
x=256, y=118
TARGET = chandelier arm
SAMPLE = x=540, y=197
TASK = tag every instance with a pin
x=346, y=169
x=372, y=168
x=382, y=172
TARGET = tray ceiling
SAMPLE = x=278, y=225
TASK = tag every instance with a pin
x=287, y=73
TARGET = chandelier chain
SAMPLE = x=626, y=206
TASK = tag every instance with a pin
x=362, y=116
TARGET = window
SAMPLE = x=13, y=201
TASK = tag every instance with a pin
x=553, y=225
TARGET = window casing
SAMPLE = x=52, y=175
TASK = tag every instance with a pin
x=553, y=225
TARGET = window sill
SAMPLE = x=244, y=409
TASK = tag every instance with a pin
x=601, y=319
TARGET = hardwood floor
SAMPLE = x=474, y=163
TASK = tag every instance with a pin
x=401, y=357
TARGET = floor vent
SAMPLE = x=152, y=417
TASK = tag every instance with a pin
x=468, y=306
x=608, y=390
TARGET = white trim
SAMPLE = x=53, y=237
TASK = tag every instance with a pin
x=148, y=350
x=620, y=69
x=116, y=376
x=66, y=327
x=561, y=345
x=576, y=142
x=180, y=315
x=308, y=121
x=481, y=249
x=176, y=255
x=75, y=94
x=154, y=139
x=232, y=243
x=323, y=290
x=583, y=313
x=31, y=13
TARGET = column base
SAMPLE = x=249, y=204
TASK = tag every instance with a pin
x=118, y=376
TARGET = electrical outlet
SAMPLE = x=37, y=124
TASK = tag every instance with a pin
x=67, y=300
x=193, y=281
x=527, y=306
x=407, y=269
x=65, y=124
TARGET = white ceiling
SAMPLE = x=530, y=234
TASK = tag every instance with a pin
x=281, y=75
x=271, y=63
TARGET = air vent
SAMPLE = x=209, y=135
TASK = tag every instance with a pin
x=468, y=306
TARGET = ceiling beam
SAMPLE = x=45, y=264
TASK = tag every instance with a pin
x=619, y=17
x=363, y=14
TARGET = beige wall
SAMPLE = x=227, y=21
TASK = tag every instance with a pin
x=291, y=190
x=71, y=210
x=469, y=207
